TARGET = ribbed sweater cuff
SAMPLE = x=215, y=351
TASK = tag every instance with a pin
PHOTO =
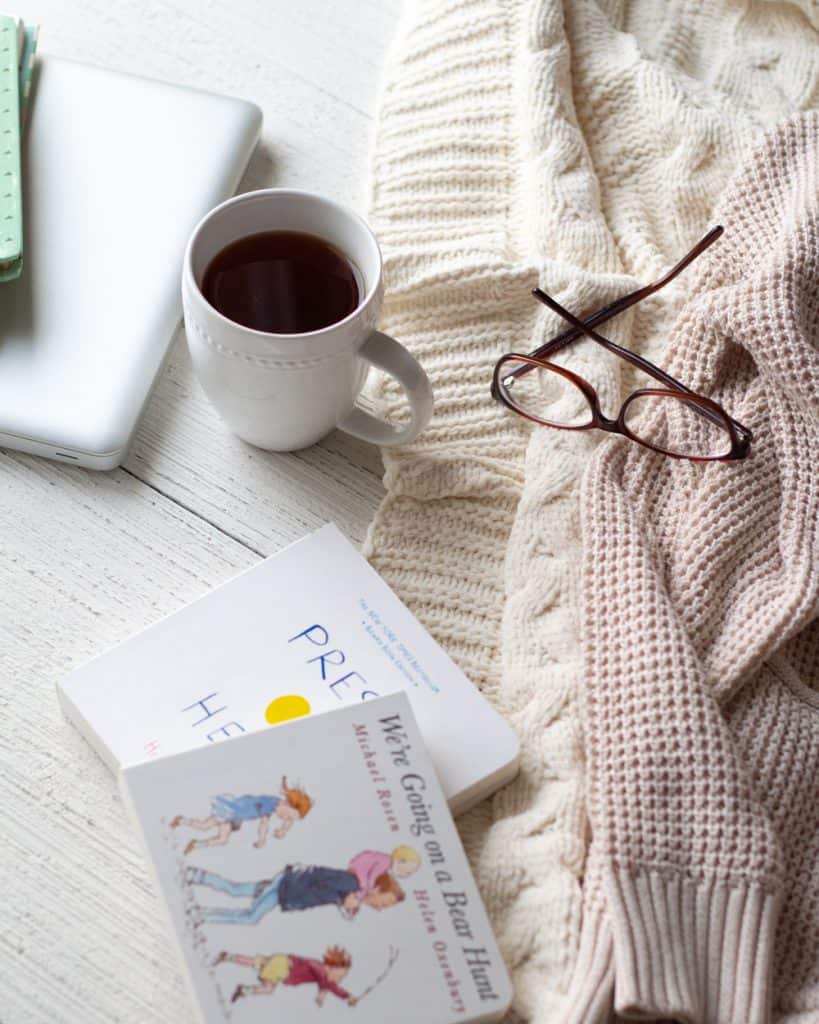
x=693, y=951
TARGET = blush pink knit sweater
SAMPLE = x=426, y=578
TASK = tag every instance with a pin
x=701, y=591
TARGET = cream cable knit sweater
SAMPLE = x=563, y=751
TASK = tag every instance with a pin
x=584, y=149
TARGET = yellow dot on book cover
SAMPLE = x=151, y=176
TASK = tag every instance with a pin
x=282, y=709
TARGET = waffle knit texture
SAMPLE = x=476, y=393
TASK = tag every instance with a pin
x=583, y=147
x=701, y=587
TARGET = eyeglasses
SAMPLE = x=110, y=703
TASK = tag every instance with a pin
x=672, y=420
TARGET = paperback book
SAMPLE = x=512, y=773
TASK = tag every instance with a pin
x=313, y=873
x=311, y=629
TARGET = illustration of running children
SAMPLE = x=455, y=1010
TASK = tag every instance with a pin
x=288, y=969
x=228, y=813
x=368, y=880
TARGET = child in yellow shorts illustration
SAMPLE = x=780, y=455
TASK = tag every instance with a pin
x=288, y=969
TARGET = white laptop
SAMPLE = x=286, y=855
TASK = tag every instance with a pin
x=117, y=170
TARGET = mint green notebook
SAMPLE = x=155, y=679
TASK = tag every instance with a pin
x=11, y=200
x=29, y=45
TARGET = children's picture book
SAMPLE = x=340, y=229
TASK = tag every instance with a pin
x=313, y=873
x=311, y=629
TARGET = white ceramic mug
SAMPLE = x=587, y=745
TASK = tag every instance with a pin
x=286, y=391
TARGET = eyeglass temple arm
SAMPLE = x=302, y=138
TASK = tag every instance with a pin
x=613, y=308
x=626, y=301
x=632, y=357
x=602, y=315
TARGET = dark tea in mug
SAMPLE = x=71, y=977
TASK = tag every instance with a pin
x=282, y=282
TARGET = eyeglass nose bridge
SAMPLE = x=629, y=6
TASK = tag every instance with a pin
x=604, y=423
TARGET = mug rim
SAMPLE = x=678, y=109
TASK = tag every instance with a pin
x=259, y=195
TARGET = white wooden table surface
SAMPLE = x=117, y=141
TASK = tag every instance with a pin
x=87, y=559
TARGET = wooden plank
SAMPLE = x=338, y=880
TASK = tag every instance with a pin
x=312, y=66
x=262, y=498
x=85, y=559
x=314, y=69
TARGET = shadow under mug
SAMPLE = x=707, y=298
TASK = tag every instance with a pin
x=283, y=392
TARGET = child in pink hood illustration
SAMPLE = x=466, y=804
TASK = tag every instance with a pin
x=369, y=865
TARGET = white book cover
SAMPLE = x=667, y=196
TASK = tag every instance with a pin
x=311, y=629
x=313, y=873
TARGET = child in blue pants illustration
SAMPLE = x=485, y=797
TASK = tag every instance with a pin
x=296, y=888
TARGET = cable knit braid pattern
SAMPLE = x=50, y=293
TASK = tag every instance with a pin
x=583, y=147
x=702, y=725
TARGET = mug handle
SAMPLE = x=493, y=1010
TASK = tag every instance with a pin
x=388, y=355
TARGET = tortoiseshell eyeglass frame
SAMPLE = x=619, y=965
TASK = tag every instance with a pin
x=740, y=436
